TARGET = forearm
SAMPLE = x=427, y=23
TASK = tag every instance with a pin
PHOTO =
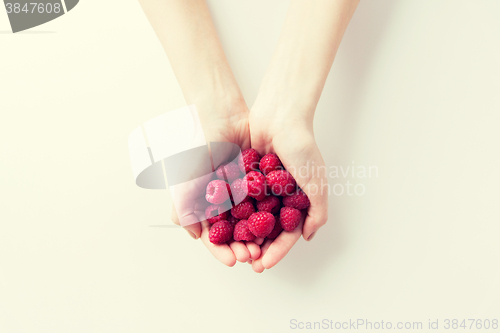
x=188, y=35
x=305, y=52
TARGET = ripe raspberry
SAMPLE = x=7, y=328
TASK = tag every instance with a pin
x=228, y=171
x=243, y=210
x=262, y=196
x=261, y=223
x=233, y=220
x=290, y=218
x=276, y=230
x=298, y=200
x=255, y=183
x=281, y=182
x=242, y=233
x=270, y=204
x=239, y=192
x=270, y=162
x=221, y=232
x=216, y=213
x=248, y=199
x=249, y=160
x=218, y=191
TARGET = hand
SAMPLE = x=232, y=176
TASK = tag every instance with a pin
x=276, y=130
x=223, y=119
x=296, y=75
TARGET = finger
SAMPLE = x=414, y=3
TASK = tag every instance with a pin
x=240, y=251
x=257, y=264
x=173, y=216
x=317, y=215
x=193, y=229
x=254, y=250
x=223, y=252
x=314, y=183
x=258, y=241
x=280, y=246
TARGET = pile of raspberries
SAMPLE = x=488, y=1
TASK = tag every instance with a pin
x=266, y=199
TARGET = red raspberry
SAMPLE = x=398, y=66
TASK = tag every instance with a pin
x=261, y=197
x=290, y=218
x=249, y=160
x=243, y=210
x=216, y=213
x=298, y=200
x=276, y=230
x=242, y=233
x=248, y=199
x=239, y=192
x=221, y=232
x=218, y=191
x=228, y=171
x=261, y=223
x=270, y=162
x=255, y=183
x=281, y=182
x=270, y=204
x=233, y=220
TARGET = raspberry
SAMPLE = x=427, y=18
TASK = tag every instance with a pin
x=242, y=233
x=248, y=199
x=221, y=232
x=290, y=218
x=249, y=160
x=228, y=171
x=255, y=183
x=243, y=210
x=218, y=191
x=270, y=204
x=281, y=182
x=233, y=220
x=298, y=200
x=276, y=230
x=270, y=162
x=239, y=192
x=262, y=196
x=261, y=223
x=216, y=213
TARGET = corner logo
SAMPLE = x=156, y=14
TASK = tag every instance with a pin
x=28, y=14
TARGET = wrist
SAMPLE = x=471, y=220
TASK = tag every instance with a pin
x=273, y=118
x=210, y=81
x=288, y=95
x=219, y=110
x=215, y=94
x=285, y=103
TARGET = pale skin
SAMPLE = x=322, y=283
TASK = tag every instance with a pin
x=281, y=118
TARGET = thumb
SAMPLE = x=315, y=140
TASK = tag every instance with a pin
x=193, y=229
x=310, y=174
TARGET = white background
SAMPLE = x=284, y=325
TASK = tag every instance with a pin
x=414, y=90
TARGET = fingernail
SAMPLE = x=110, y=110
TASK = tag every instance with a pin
x=311, y=236
x=191, y=234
